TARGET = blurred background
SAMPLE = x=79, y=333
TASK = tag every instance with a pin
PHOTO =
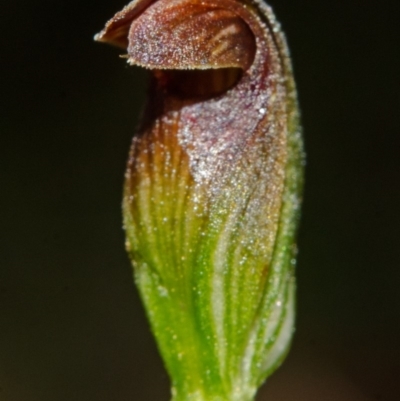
x=71, y=323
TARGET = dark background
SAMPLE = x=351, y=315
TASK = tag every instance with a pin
x=71, y=324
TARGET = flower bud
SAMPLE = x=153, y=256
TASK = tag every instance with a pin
x=212, y=190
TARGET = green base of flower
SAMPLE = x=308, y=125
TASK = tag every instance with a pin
x=205, y=398
x=200, y=396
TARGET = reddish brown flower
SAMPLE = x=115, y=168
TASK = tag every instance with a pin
x=212, y=189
